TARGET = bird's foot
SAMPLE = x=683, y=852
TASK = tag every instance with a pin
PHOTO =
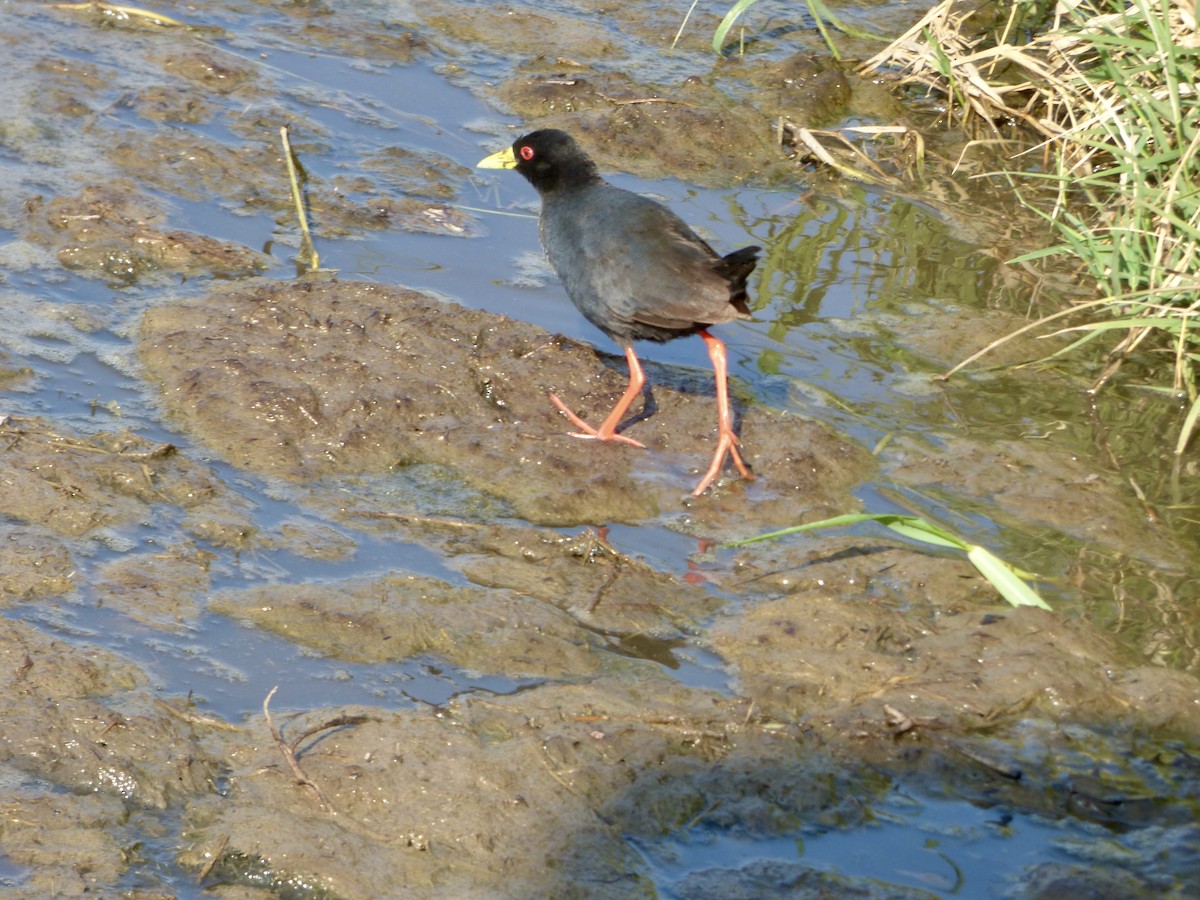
x=587, y=432
x=727, y=445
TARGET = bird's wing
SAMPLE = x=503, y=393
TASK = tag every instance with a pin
x=655, y=270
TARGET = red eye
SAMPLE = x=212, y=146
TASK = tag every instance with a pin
x=526, y=153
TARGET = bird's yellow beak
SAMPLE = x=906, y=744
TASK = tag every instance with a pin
x=502, y=160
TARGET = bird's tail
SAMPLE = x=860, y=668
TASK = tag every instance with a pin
x=736, y=267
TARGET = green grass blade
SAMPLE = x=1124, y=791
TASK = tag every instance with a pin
x=836, y=521
x=731, y=17
x=910, y=526
x=1004, y=579
x=920, y=530
x=814, y=7
x=822, y=12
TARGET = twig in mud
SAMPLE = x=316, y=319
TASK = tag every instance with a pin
x=691, y=729
x=749, y=714
x=420, y=520
x=899, y=722
x=212, y=861
x=553, y=342
x=193, y=718
x=337, y=722
x=11, y=426
x=602, y=590
x=638, y=100
x=563, y=783
x=1004, y=769
x=289, y=751
x=158, y=451
x=862, y=168
x=712, y=807
x=308, y=253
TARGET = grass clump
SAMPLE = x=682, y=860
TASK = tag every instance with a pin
x=1110, y=87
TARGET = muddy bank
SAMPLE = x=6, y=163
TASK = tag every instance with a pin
x=566, y=789
x=692, y=128
x=714, y=127
x=641, y=107
x=839, y=652
x=549, y=792
x=214, y=115
x=874, y=624
x=84, y=749
x=93, y=485
x=311, y=379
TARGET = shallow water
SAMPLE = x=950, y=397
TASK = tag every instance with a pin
x=862, y=296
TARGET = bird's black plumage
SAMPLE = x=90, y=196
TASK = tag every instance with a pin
x=631, y=266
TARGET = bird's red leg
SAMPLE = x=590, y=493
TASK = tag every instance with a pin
x=727, y=441
x=608, y=429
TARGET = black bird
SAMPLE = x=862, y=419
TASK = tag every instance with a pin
x=634, y=269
